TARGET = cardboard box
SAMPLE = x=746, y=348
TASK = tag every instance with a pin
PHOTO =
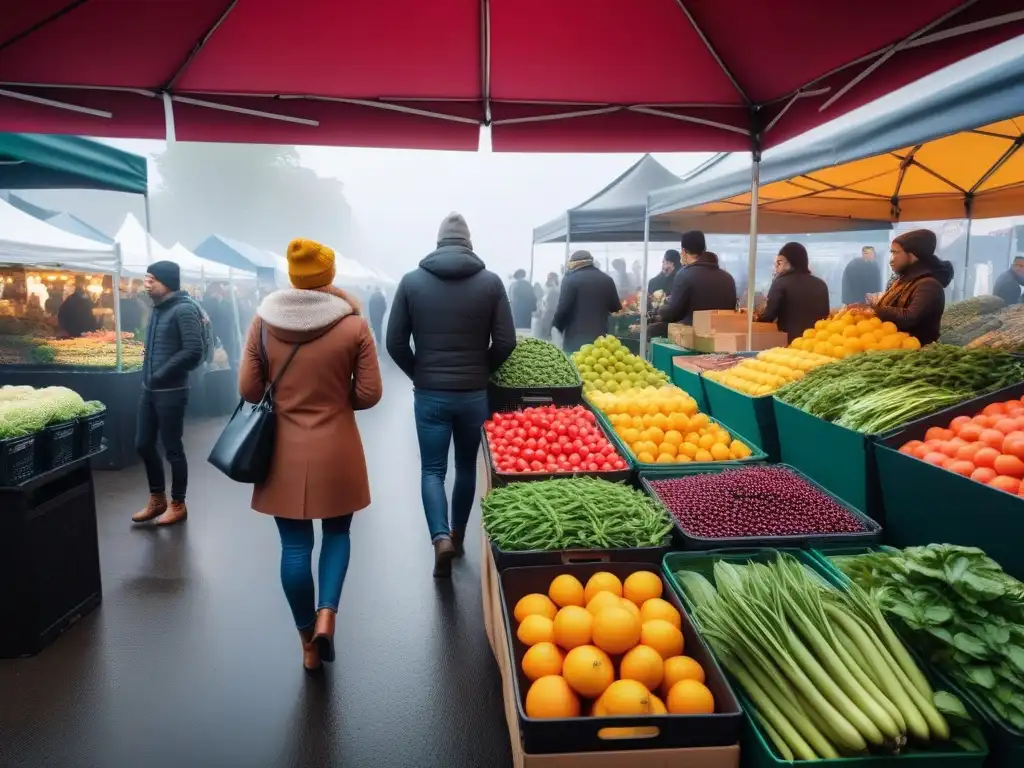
x=681, y=335
x=707, y=322
x=737, y=342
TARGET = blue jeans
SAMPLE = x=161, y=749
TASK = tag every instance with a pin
x=297, y=570
x=440, y=418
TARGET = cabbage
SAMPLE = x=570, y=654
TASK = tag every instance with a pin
x=24, y=410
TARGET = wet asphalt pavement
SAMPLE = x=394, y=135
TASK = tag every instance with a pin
x=192, y=660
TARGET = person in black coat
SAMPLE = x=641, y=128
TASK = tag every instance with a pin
x=670, y=264
x=587, y=298
x=523, y=299
x=75, y=314
x=1007, y=285
x=797, y=299
x=377, y=307
x=701, y=284
x=862, y=277
x=460, y=321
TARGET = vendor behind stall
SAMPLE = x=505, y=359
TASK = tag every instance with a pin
x=797, y=299
x=915, y=301
x=670, y=264
x=75, y=314
x=700, y=284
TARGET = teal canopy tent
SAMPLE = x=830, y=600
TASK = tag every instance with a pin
x=38, y=161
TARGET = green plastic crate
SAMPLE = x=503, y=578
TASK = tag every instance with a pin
x=838, y=458
x=692, y=383
x=662, y=352
x=753, y=416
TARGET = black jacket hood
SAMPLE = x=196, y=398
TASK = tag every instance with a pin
x=452, y=262
x=943, y=272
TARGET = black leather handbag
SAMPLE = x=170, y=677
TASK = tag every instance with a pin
x=245, y=448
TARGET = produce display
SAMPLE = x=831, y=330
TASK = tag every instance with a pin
x=851, y=331
x=573, y=632
x=709, y=362
x=770, y=370
x=1010, y=333
x=960, y=611
x=97, y=353
x=964, y=313
x=750, y=502
x=825, y=673
x=550, y=439
x=987, y=447
x=877, y=392
x=662, y=425
x=536, y=363
x=984, y=321
x=24, y=410
x=607, y=366
x=572, y=513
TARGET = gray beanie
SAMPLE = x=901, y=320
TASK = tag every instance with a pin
x=454, y=228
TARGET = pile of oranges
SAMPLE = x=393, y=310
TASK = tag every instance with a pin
x=604, y=649
x=850, y=332
x=987, y=447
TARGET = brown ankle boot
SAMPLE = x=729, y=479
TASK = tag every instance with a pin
x=177, y=512
x=310, y=653
x=157, y=506
x=323, y=633
x=459, y=542
x=444, y=551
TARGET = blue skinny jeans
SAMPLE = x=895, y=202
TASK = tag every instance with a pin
x=297, y=569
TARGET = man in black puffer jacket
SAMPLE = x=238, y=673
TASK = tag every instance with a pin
x=460, y=321
x=174, y=347
x=700, y=284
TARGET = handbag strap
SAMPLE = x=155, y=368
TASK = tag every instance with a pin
x=266, y=362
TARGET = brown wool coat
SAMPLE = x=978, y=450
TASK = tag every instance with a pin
x=318, y=469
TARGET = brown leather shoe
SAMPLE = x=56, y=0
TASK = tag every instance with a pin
x=310, y=653
x=177, y=512
x=459, y=542
x=157, y=506
x=323, y=633
x=444, y=551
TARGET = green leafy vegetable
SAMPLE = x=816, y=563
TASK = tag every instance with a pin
x=536, y=363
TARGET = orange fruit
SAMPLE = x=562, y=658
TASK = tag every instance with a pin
x=602, y=581
x=656, y=608
x=641, y=586
x=631, y=607
x=658, y=706
x=566, y=590
x=599, y=709
x=588, y=671
x=616, y=630
x=689, y=697
x=602, y=601
x=537, y=604
x=550, y=696
x=536, y=629
x=541, y=660
x=572, y=626
x=627, y=697
x=644, y=665
x=680, y=668
x=663, y=637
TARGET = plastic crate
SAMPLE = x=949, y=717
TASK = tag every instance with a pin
x=56, y=446
x=753, y=416
x=871, y=535
x=17, y=459
x=504, y=399
x=510, y=559
x=90, y=434
x=662, y=352
x=692, y=383
x=582, y=734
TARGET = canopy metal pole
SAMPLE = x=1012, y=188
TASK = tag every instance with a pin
x=117, y=307
x=755, y=182
x=149, y=236
x=643, y=287
x=568, y=230
x=967, y=261
x=533, y=248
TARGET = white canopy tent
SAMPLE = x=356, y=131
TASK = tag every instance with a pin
x=139, y=249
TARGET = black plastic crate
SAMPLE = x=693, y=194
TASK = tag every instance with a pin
x=90, y=434
x=17, y=459
x=871, y=535
x=512, y=559
x=583, y=734
x=55, y=446
x=504, y=399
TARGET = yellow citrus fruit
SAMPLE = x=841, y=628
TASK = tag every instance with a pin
x=703, y=456
x=641, y=586
x=674, y=437
x=699, y=420
x=572, y=626
x=689, y=697
x=645, y=458
x=602, y=581
x=669, y=449
x=551, y=696
x=567, y=590
x=644, y=665
x=603, y=601
x=626, y=697
x=720, y=452
x=536, y=629
x=658, y=706
x=542, y=659
x=616, y=630
x=681, y=668
x=706, y=441
x=665, y=458
x=656, y=608
x=911, y=343
x=688, y=449
x=630, y=606
x=588, y=670
x=535, y=604
x=739, y=449
x=663, y=637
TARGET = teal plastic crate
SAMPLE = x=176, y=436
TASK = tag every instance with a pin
x=753, y=416
x=662, y=352
x=692, y=383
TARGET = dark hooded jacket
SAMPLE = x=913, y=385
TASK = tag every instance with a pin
x=916, y=300
x=174, y=343
x=796, y=301
x=697, y=286
x=458, y=316
x=861, y=277
x=588, y=296
x=1007, y=287
x=524, y=303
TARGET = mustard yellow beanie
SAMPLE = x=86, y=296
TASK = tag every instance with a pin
x=310, y=264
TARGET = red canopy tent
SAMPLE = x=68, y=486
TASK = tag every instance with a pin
x=546, y=75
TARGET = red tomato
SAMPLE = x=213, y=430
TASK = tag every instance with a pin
x=960, y=467
x=1005, y=425
x=994, y=409
x=983, y=474
x=536, y=466
x=950, y=447
x=971, y=432
x=993, y=438
x=966, y=452
x=938, y=433
x=1010, y=466
x=909, y=446
x=959, y=422
x=986, y=457
x=1013, y=444
x=1004, y=483
x=574, y=459
x=983, y=421
x=936, y=458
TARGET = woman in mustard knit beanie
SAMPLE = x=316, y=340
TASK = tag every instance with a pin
x=313, y=342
